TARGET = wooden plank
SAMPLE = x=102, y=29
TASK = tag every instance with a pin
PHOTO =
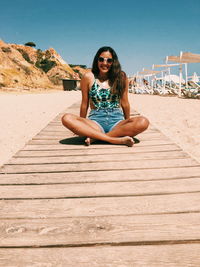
x=142, y=188
x=96, y=166
x=152, y=136
x=55, y=142
x=64, y=150
x=64, y=132
x=58, y=136
x=110, y=230
x=137, y=197
x=60, y=127
x=104, y=206
x=98, y=151
x=100, y=176
x=98, y=157
x=76, y=143
x=178, y=255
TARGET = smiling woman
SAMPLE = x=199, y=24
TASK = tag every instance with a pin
x=105, y=90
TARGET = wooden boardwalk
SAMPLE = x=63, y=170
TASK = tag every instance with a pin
x=64, y=204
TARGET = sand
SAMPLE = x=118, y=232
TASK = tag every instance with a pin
x=22, y=116
x=177, y=118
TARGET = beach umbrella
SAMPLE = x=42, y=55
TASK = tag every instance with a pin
x=184, y=58
x=164, y=65
x=178, y=59
x=149, y=72
x=167, y=69
x=174, y=78
x=187, y=57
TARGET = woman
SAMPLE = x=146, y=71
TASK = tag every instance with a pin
x=105, y=91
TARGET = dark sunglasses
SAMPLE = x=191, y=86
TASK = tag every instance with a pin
x=108, y=60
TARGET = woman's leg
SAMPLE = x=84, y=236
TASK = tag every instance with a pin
x=85, y=127
x=130, y=127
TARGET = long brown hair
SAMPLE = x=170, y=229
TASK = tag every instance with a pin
x=117, y=78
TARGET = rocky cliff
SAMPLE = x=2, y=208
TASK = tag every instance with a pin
x=25, y=67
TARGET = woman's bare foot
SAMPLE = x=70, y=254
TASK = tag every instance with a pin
x=127, y=140
x=89, y=141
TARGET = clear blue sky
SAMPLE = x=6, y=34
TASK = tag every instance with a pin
x=142, y=32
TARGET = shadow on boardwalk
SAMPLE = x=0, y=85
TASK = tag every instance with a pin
x=65, y=204
x=80, y=141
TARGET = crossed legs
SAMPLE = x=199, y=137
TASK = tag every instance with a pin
x=122, y=133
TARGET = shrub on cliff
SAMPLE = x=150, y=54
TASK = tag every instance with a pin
x=78, y=65
x=32, y=44
x=6, y=49
x=45, y=64
x=25, y=55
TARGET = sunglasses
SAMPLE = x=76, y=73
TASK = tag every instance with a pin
x=108, y=60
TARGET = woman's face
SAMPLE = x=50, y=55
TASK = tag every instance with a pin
x=105, y=61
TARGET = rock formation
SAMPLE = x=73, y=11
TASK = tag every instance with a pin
x=25, y=67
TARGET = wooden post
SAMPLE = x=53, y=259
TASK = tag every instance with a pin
x=180, y=79
x=169, y=73
x=186, y=76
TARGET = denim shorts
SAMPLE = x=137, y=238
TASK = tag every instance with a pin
x=106, y=118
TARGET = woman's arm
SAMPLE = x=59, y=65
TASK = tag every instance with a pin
x=85, y=98
x=125, y=102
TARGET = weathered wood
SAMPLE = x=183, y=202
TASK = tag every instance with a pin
x=69, y=143
x=105, y=156
x=101, y=189
x=63, y=132
x=60, y=127
x=94, y=149
x=97, y=166
x=54, y=141
x=99, y=151
x=150, y=136
x=136, y=230
x=140, y=205
x=178, y=255
x=100, y=176
x=102, y=206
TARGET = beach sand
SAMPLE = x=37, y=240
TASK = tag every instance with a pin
x=177, y=118
x=22, y=116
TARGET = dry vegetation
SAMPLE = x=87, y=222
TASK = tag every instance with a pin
x=25, y=67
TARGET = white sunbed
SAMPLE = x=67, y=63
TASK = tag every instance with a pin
x=194, y=85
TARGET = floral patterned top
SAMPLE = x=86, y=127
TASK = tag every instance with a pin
x=102, y=97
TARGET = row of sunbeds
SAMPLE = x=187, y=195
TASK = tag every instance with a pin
x=192, y=90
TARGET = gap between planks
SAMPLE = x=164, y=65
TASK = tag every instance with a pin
x=100, y=230
x=179, y=255
x=95, y=190
x=101, y=176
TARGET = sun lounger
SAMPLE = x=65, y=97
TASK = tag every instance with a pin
x=191, y=93
x=194, y=85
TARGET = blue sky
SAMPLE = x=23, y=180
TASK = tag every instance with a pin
x=141, y=32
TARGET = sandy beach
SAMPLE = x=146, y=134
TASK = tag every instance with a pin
x=177, y=118
x=22, y=116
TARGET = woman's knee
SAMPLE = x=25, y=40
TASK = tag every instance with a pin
x=140, y=123
x=67, y=118
x=143, y=123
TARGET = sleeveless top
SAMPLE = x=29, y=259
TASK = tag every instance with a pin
x=103, y=97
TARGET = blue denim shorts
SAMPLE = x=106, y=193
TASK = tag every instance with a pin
x=106, y=118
